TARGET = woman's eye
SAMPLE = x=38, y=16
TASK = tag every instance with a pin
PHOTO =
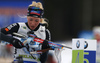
x=36, y=20
x=31, y=19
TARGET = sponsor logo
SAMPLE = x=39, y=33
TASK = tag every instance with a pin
x=26, y=56
x=10, y=26
x=41, y=31
x=24, y=27
x=85, y=45
x=78, y=44
x=38, y=40
x=29, y=57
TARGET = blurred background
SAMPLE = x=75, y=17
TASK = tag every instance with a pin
x=67, y=18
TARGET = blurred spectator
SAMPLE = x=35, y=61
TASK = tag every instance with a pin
x=96, y=31
x=6, y=53
x=50, y=59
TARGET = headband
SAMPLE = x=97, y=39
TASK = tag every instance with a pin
x=35, y=12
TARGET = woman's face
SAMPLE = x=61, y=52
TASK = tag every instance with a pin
x=33, y=22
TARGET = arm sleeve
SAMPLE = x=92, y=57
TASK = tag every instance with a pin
x=48, y=35
x=8, y=30
x=5, y=37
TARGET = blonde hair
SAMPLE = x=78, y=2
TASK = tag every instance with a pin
x=37, y=4
x=44, y=21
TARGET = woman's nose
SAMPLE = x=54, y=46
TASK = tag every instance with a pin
x=33, y=23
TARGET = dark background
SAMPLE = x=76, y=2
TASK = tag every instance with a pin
x=69, y=17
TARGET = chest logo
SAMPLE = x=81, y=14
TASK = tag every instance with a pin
x=24, y=27
x=41, y=31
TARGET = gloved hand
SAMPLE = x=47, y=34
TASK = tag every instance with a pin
x=17, y=43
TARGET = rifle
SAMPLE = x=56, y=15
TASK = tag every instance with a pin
x=39, y=40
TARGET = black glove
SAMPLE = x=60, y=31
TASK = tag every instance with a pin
x=43, y=56
x=17, y=43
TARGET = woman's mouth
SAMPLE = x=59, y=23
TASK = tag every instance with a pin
x=32, y=27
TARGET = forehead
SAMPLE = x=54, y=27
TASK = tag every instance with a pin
x=32, y=17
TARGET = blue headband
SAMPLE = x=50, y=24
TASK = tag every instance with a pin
x=35, y=12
